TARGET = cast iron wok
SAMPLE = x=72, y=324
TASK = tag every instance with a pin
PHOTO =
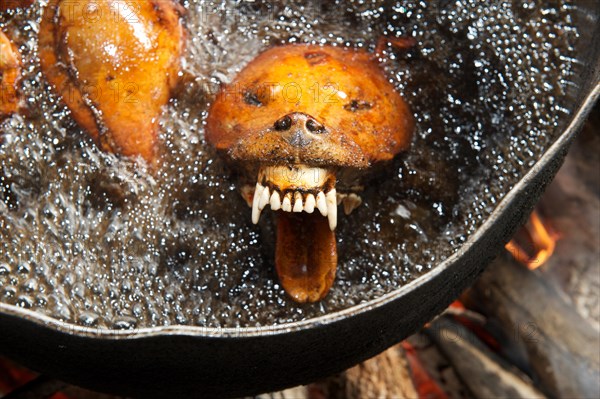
x=184, y=361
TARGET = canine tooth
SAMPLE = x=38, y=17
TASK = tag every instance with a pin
x=341, y=197
x=309, y=204
x=298, y=202
x=321, y=203
x=351, y=202
x=255, y=211
x=275, y=201
x=286, y=205
x=264, y=199
x=332, y=209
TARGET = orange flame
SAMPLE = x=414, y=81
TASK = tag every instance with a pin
x=426, y=386
x=543, y=240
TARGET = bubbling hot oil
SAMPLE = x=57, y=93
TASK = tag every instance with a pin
x=94, y=239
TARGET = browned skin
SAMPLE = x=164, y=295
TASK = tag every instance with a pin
x=12, y=4
x=369, y=122
x=325, y=107
x=114, y=63
x=10, y=65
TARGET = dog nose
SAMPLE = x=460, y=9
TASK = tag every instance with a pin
x=299, y=129
x=284, y=124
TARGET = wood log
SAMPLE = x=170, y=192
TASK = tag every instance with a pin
x=438, y=367
x=39, y=387
x=299, y=392
x=561, y=347
x=384, y=376
x=484, y=373
x=572, y=206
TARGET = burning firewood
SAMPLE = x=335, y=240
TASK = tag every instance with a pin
x=436, y=366
x=543, y=240
x=560, y=346
x=485, y=374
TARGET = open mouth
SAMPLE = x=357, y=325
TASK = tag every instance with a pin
x=306, y=202
x=300, y=188
x=297, y=189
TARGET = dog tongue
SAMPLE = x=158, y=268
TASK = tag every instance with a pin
x=305, y=255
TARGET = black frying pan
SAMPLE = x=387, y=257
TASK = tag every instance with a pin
x=178, y=361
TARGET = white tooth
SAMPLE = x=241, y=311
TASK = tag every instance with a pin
x=351, y=202
x=340, y=198
x=275, y=201
x=321, y=203
x=286, y=205
x=264, y=199
x=255, y=211
x=298, y=202
x=332, y=209
x=309, y=204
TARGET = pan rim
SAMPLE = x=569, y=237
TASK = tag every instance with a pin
x=104, y=333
